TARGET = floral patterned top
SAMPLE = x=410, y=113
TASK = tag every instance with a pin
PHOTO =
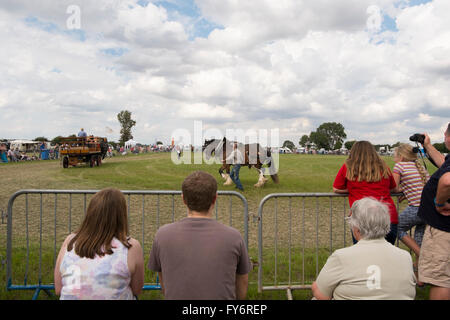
x=101, y=278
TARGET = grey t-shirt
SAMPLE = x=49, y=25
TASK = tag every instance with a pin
x=199, y=259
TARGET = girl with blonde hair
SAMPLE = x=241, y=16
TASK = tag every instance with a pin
x=365, y=174
x=100, y=261
x=411, y=177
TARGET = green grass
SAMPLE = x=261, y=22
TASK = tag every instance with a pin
x=297, y=173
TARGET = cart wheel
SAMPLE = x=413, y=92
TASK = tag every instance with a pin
x=91, y=161
x=99, y=160
x=65, y=162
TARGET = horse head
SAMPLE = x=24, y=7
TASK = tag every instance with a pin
x=207, y=143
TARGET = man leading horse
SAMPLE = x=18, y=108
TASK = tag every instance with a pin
x=253, y=156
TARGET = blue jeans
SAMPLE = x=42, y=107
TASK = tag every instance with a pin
x=390, y=237
x=407, y=220
x=234, y=175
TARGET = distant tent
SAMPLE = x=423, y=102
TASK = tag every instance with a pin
x=130, y=144
x=24, y=145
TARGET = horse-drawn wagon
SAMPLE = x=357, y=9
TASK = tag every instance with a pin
x=89, y=149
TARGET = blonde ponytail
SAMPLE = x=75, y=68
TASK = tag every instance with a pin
x=422, y=171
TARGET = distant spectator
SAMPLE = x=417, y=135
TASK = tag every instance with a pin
x=365, y=174
x=42, y=147
x=3, y=153
x=199, y=258
x=56, y=151
x=82, y=133
x=372, y=268
x=100, y=261
x=12, y=157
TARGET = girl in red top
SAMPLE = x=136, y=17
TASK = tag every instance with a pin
x=365, y=174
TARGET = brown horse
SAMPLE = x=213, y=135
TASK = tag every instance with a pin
x=254, y=156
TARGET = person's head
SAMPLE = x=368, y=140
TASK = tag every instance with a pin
x=447, y=137
x=106, y=218
x=82, y=129
x=370, y=218
x=199, y=191
x=404, y=152
x=364, y=163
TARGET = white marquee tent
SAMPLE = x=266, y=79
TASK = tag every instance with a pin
x=130, y=143
x=24, y=145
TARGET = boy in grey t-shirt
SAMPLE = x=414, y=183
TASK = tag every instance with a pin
x=198, y=258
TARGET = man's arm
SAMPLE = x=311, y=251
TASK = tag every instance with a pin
x=317, y=294
x=432, y=152
x=161, y=282
x=241, y=286
x=443, y=194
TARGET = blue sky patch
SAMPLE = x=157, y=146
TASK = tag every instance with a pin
x=418, y=2
x=199, y=26
x=115, y=52
x=388, y=24
x=50, y=27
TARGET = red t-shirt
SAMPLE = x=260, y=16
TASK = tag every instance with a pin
x=380, y=190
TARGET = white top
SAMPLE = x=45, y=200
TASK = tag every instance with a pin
x=101, y=278
x=235, y=157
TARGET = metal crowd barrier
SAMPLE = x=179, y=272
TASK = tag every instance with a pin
x=304, y=235
x=38, y=222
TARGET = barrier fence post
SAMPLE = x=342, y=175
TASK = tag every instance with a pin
x=287, y=282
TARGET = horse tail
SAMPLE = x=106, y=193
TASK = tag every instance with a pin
x=275, y=178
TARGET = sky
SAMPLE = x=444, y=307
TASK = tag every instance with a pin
x=381, y=68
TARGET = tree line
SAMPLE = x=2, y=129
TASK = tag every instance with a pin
x=331, y=136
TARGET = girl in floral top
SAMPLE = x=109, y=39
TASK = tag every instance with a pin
x=100, y=261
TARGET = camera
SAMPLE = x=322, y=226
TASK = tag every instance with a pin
x=417, y=137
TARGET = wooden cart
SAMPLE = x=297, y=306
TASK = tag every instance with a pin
x=89, y=149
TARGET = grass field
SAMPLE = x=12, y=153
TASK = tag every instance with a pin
x=296, y=223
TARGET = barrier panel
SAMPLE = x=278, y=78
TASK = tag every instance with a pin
x=296, y=236
x=38, y=221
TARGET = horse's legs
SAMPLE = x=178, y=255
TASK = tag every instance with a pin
x=226, y=176
x=262, y=180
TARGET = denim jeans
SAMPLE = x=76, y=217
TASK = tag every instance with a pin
x=390, y=237
x=234, y=175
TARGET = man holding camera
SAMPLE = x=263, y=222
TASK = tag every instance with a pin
x=434, y=260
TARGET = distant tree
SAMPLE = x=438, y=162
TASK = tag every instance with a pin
x=56, y=140
x=320, y=139
x=126, y=123
x=304, y=140
x=395, y=145
x=73, y=136
x=328, y=134
x=289, y=144
x=440, y=147
x=338, y=145
x=349, y=144
x=41, y=139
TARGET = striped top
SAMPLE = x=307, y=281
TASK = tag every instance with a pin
x=410, y=181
